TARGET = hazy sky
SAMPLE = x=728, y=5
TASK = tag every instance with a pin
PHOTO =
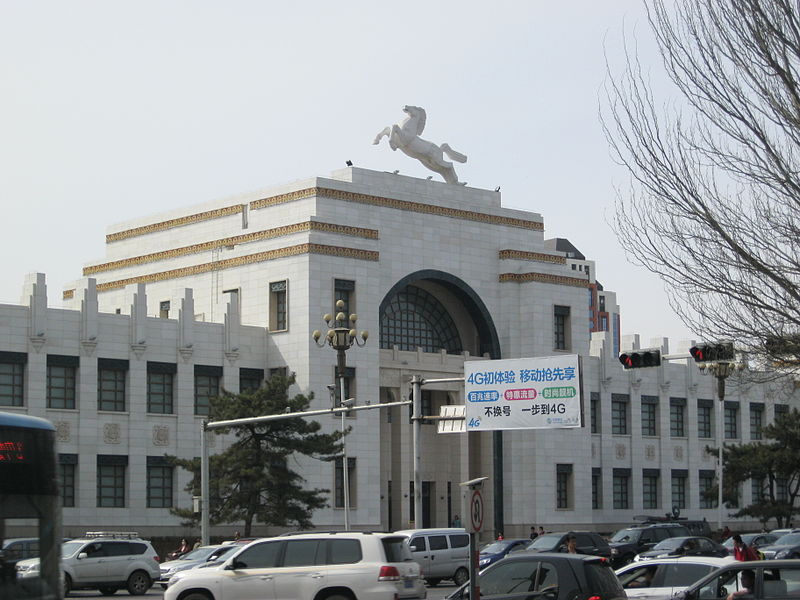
x=116, y=110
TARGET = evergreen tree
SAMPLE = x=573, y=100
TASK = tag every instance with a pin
x=252, y=480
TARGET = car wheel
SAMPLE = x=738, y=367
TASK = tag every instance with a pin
x=108, y=591
x=197, y=596
x=336, y=597
x=461, y=577
x=138, y=583
x=67, y=585
x=433, y=581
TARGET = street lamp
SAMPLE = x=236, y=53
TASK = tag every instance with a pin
x=721, y=370
x=341, y=338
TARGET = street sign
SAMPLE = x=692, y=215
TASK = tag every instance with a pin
x=476, y=511
x=523, y=393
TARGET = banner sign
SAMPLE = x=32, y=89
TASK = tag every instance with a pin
x=523, y=393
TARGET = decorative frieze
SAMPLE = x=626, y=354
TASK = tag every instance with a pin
x=160, y=435
x=172, y=223
x=111, y=433
x=532, y=256
x=63, y=432
x=540, y=278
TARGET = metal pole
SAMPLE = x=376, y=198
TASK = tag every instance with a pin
x=721, y=395
x=416, y=419
x=205, y=503
x=345, y=474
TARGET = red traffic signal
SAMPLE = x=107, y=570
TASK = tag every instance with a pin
x=637, y=359
x=712, y=352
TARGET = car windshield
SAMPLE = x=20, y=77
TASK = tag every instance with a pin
x=669, y=544
x=69, y=548
x=545, y=541
x=626, y=535
x=494, y=548
x=200, y=553
x=790, y=539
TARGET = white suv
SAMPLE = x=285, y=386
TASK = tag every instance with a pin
x=321, y=566
x=105, y=563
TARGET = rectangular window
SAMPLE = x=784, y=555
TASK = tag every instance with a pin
x=706, y=486
x=781, y=410
x=111, y=480
x=561, y=332
x=594, y=411
x=677, y=417
x=757, y=489
x=705, y=417
x=344, y=290
x=731, y=420
x=679, y=477
x=250, y=380
x=619, y=413
x=781, y=489
x=67, y=466
x=756, y=420
x=278, y=308
x=61, y=378
x=159, y=482
x=597, y=488
x=160, y=387
x=12, y=371
x=622, y=485
x=650, y=493
x=650, y=415
x=206, y=387
x=563, y=486
x=338, y=482
x=111, y=375
x=281, y=371
x=163, y=309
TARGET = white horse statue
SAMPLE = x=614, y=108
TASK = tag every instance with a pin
x=406, y=137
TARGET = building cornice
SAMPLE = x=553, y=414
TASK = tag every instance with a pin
x=542, y=278
x=532, y=256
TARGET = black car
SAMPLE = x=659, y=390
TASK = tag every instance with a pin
x=550, y=576
x=628, y=542
x=587, y=542
x=764, y=580
x=685, y=546
x=786, y=546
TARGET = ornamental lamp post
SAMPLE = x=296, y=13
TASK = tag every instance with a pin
x=341, y=338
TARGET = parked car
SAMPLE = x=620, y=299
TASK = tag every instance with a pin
x=440, y=553
x=547, y=575
x=698, y=527
x=753, y=540
x=630, y=541
x=784, y=531
x=588, y=542
x=772, y=579
x=340, y=565
x=191, y=559
x=786, y=546
x=660, y=578
x=16, y=549
x=684, y=546
x=498, y=549
x=104, y=561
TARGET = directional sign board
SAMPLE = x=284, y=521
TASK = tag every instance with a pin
x=523, y=393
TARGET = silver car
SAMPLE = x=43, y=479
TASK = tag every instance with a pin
x=661, y=578
x=190, y=560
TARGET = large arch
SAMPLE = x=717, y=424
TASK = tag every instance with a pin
x=472, y=303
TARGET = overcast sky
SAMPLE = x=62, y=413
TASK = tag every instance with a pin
x=116, y=110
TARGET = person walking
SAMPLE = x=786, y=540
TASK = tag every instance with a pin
x=572, y=544
x=742, y=551
x=534, y=535
x=456, y=521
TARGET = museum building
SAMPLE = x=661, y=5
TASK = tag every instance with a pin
x=225, y=294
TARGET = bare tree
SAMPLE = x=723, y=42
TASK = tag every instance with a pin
x=714, y=205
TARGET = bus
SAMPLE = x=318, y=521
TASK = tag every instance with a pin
x=29, y=496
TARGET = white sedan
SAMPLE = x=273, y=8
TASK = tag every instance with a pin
x=661, y=578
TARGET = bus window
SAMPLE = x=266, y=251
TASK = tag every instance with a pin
x=30, y=507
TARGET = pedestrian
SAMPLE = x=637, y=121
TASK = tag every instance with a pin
x=541, y=530
x=236, y=535
x=196, y=544
x=748, y=582
x=726, y=533
x=534, y=535
x=742, y=551
x=572, y=544
x=456, y=521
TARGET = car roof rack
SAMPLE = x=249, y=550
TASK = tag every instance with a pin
x=119, y=535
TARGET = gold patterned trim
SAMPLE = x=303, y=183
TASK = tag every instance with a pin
x=534, y=256
x=543, y=278
x=232, y=241
x=172, y=223
x=238, y=261
x=406, y=205
x=68, y=294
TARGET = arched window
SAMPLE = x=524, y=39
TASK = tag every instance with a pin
x=414, y=318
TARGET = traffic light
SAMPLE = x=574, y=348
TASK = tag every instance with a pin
x=637, y=359
x=721, y=351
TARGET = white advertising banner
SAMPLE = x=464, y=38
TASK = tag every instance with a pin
x=523, y=393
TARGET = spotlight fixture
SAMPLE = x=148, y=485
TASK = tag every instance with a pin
x=349, y=163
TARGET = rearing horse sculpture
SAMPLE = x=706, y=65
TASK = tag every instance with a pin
x=406, y=138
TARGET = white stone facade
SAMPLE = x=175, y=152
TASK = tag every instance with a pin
x=486, y=265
